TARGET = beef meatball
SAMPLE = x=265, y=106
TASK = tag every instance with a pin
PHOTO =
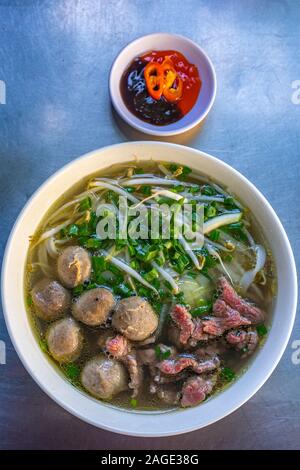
x=135, y=318
x=104, y=378
x=51, y=299
x=64, y=340
x=93, y=306
x=74, y=266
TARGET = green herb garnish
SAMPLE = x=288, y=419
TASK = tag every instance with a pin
x=214, y=235
x=227, y=374
x=261, y=330
x=202, y=309
x=85, y=204
x=133, y=402
x=43, y=345
x=161, y=355
x=29, y=300
x=72, y=371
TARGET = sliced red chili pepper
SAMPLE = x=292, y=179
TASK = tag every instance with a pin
x=173, y=85
x=174, y=92
x=169, y=72
x=154, y=80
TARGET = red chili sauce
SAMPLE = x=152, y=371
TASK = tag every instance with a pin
x=171, y=79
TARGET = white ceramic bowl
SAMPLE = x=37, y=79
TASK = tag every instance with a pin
x=82, y=405
x=164, y=41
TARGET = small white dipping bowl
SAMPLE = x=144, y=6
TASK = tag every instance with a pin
x=163, y=42
x=50, y=379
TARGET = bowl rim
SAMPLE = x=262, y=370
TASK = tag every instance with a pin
x=159, y=131
x=216, y=415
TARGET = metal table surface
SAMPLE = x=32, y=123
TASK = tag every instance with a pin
x=54, y=62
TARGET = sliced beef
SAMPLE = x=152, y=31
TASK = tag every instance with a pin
x=187, y=331
x=198, y=333
x=226, y=319
x=188, y=361
x=183, y=319
x=195, y=390
x=241, y=340
x=228, y=294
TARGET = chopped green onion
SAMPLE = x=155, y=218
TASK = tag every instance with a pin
x=151, y=275
x=93, y=243
x=123, y=290
x=194, y=189
x=180, y=262
x=229, y=203
x=98, y=264
x=73, y=230
x=146, y=252
x=261, y=330
x=211, y=211
x=43, y=345
x=161, y=355
x=177, y=189
x=214, y=235
x=133, y=402
x=160, y=260
x=208, y=190
x=29, y=300
x=72, y=371
x=78, y=290
x=227, y=374
x=227, y=258
x=146, y=190
x=85, y=204
x=205, y=307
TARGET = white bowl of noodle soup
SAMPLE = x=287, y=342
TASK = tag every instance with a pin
x=142, y=423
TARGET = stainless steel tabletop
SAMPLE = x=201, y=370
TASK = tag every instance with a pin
x=55, y=58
